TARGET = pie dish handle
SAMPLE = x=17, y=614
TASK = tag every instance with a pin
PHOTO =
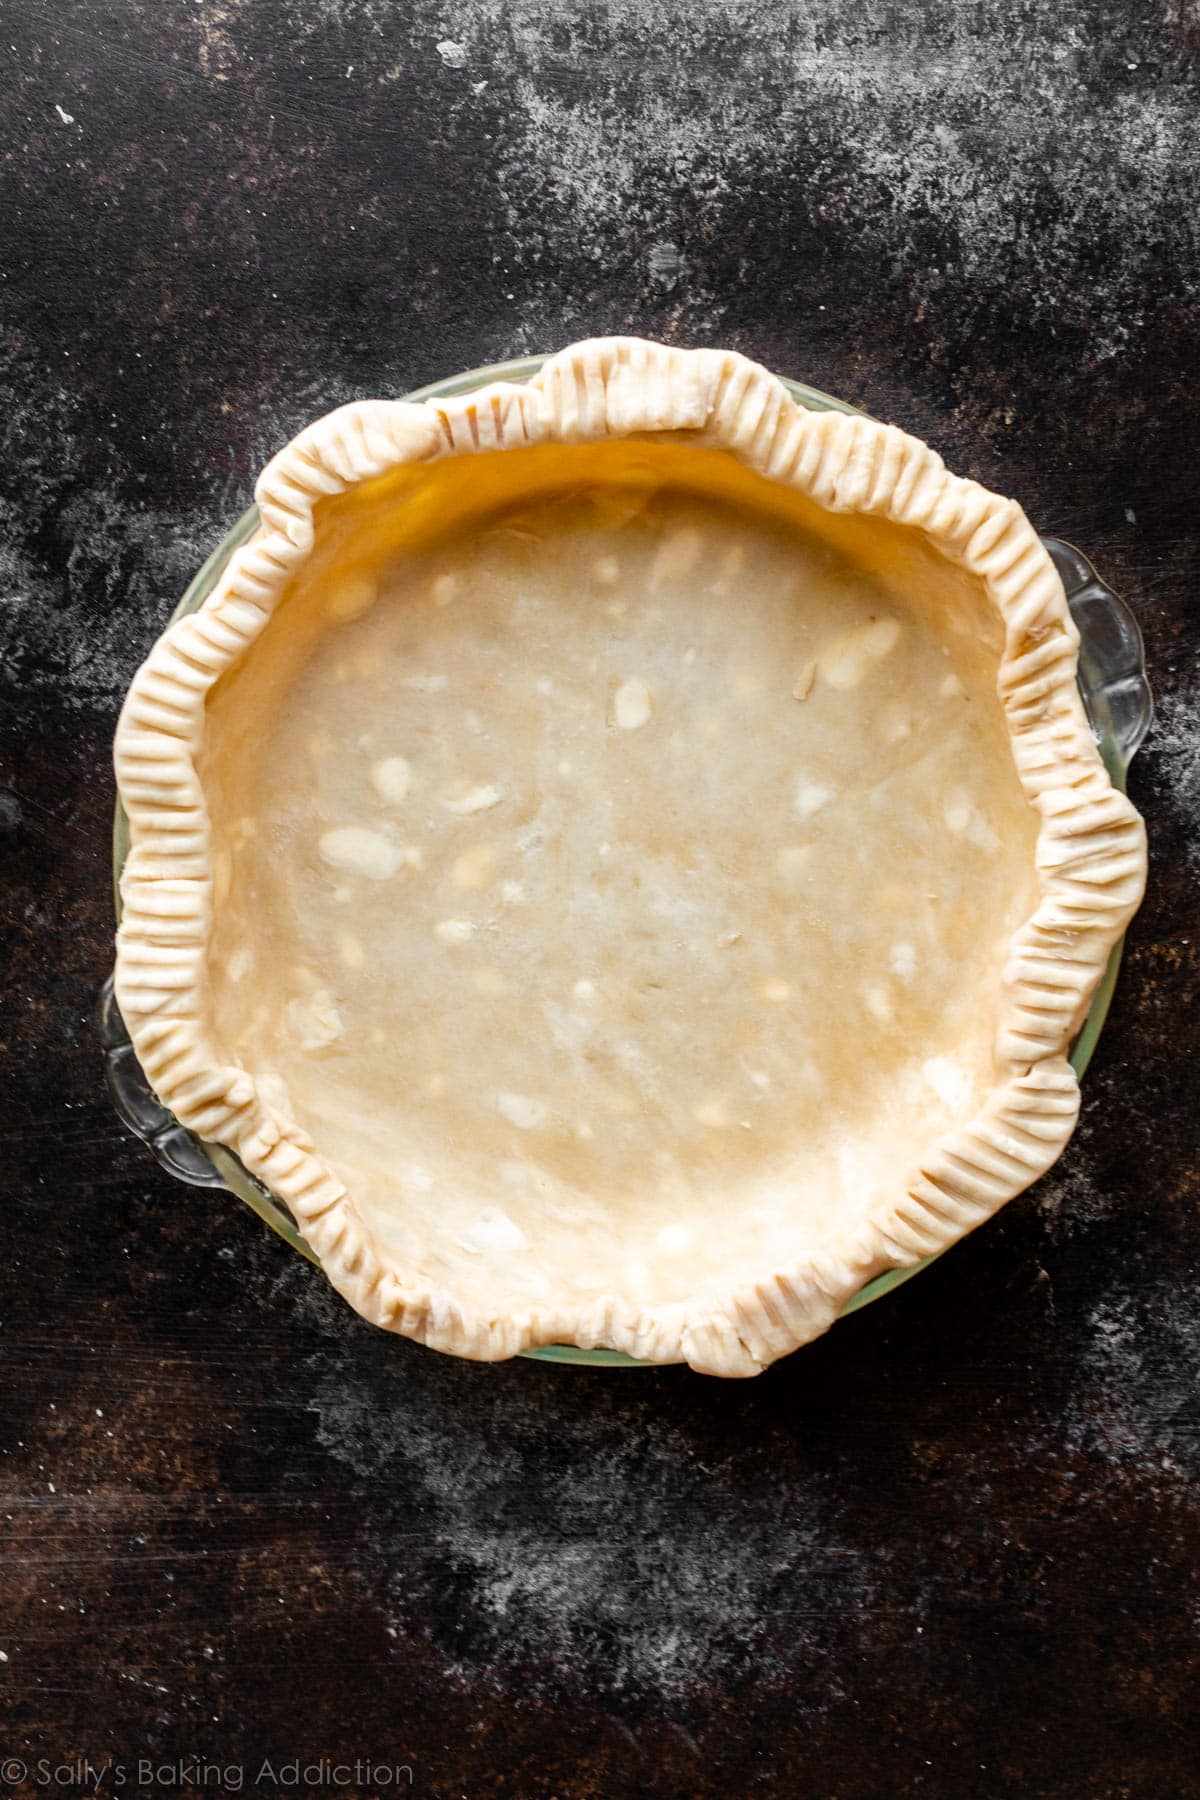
x=1112, y=658
x=175, y=1148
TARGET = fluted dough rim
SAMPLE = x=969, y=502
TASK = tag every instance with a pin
x=1091, y=857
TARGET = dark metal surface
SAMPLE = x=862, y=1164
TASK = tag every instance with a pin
x=951, y=1549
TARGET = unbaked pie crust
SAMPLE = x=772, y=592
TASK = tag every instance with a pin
x=622, y=857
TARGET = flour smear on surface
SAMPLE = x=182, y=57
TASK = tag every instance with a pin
x=962, y=147
x=566, y=1530
x=1172, y=759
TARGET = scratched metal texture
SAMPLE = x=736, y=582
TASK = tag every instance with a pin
x=952, y=1549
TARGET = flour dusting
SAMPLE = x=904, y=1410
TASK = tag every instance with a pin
x=1172, y=757
x=908, y=130
x=120, y=566
x=566, y=1522
x=1136, y=1403
x=1073, y=1196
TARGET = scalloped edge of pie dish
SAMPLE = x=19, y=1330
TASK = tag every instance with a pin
x=1091, y=856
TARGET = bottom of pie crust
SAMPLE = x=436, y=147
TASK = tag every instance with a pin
x=616, y=861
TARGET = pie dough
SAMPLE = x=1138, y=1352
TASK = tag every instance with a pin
x=622, y=857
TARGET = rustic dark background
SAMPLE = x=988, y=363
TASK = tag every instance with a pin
x=952, y=1549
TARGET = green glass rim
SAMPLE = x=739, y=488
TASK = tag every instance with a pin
x=233, y=1173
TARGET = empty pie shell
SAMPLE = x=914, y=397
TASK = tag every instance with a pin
x=623, y=857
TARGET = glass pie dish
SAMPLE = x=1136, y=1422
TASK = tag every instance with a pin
x=1113, y=685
